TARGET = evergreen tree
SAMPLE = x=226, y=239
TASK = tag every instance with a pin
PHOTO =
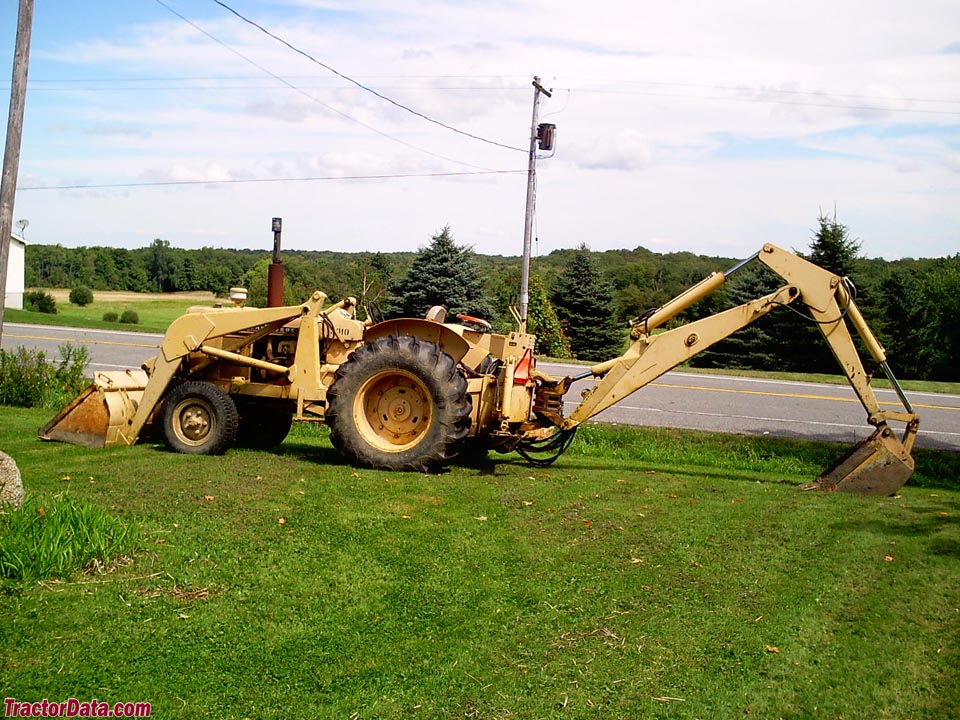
x=831, y=249
x=583, y=299
x=542, y=320
x=443, y=273
x=804, y=348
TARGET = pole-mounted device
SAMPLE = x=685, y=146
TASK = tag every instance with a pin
x=544, y=135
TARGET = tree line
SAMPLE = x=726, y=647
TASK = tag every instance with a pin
x=580, y=301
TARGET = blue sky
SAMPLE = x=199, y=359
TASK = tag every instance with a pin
x=708, y=127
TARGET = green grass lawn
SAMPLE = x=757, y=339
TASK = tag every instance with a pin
x=648, y=574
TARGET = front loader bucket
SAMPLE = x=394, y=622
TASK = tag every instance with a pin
x=97, y=415
x=878, y=465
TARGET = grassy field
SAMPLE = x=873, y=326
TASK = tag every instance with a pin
x=648, y=574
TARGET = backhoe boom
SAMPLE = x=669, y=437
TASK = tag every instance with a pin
x=879, y=465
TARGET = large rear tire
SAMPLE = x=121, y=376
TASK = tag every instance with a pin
x=399, y=403
x=198, y=418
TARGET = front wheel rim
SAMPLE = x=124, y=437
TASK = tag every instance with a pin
x=193, y=421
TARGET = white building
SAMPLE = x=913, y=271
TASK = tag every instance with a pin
x=15, y=268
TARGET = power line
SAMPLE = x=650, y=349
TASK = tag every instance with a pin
x=239, y=181
x=314, y=99
x=815, y=93
x=772, y=101
x=522, y=87
x=361, y=85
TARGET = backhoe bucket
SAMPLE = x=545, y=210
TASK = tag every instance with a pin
x=97, y=415
x=878, y=465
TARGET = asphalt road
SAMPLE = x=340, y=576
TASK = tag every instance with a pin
x=702, y=402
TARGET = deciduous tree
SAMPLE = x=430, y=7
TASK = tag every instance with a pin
x=542, y=320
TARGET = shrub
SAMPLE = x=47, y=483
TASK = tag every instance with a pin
x=130, y=317
x=69, y=375
x=28, y=380
x=81, y=295
x=40, y=301
x=110, y=316
x=55, y=536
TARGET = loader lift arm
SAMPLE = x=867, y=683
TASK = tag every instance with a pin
x=879, y=465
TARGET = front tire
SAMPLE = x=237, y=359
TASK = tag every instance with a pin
x=399, y=403
x=198, y=418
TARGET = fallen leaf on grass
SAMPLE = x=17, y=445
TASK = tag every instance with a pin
x=281, y=521
x=208, y=498
x=586, y=523
x=771, y=649
x=481, y=518
x=635, y=561
x=888, y=558
x=41, y=512
x=66, y=478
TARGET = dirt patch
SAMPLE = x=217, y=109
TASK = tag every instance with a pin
x=63, y=296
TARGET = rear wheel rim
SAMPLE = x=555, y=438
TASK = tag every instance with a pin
x=393, y=410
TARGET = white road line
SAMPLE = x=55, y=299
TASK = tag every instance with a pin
x=761, y=419
x=762, y=381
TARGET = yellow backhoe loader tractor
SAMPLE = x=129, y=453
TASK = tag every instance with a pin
x=409, y=394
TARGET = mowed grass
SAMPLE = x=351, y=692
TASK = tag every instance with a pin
x=648, y=574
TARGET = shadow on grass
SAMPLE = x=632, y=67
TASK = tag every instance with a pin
x=942, y=529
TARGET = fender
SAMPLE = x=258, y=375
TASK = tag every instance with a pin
x=447, y=339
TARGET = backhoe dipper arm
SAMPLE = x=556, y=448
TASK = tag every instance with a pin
x=830, y=302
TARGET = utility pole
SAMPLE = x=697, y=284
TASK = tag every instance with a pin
x=11, y=155
x=535, y=135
